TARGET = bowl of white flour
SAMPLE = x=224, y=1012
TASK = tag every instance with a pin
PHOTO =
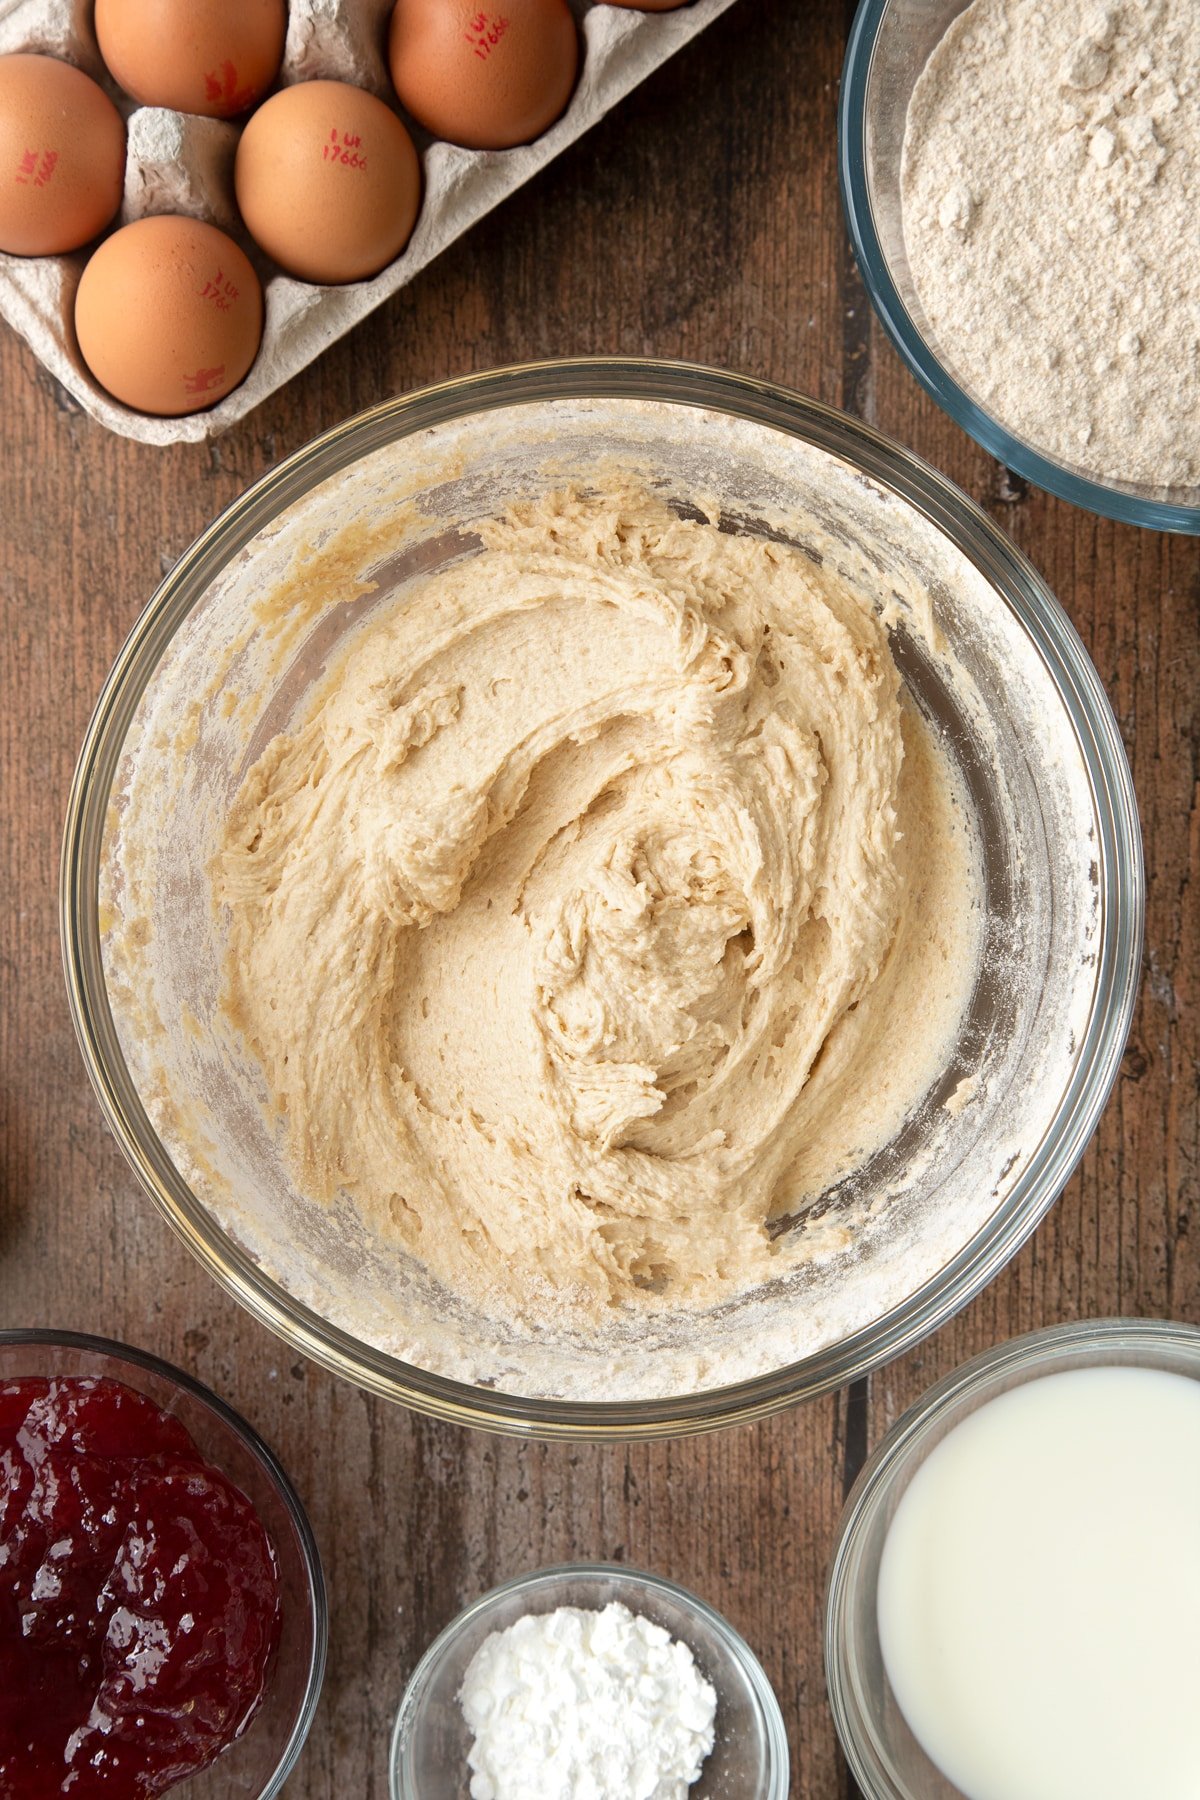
x=1021, y=185
x=593, y=1681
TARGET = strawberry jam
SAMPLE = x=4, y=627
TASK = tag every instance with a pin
x=139, y=1597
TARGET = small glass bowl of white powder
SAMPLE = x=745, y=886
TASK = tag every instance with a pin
x=638, y=1678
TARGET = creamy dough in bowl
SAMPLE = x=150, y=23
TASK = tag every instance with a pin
x=611, y=902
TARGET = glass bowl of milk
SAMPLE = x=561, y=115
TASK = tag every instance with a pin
x=1014, y=1601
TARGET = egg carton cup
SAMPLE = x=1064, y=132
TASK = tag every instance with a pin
x=181, y=163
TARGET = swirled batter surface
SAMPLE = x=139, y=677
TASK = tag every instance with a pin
x=610, y=903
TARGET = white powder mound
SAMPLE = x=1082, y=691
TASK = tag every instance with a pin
x=586, y=1705
x=1051, y=199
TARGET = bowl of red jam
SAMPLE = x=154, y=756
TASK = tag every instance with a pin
x=163, y=1620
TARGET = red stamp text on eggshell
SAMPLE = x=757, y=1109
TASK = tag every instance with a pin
x=204, y=380
x=220, y=292
x=344, y=148
x=221, y=89
x=35, y=168
x=484, y=33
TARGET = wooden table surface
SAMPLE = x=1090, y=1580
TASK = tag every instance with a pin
x=700, y=220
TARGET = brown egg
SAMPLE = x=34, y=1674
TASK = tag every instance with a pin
x=484, y=76
x=215, y=57
x=62, y=156
x=328, y=181
x=169, y=315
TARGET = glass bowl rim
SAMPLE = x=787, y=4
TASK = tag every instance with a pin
x=536, y=1579
x=1118, y=852
x=917, y=354
x=41, y=1337
x=1049, y=1350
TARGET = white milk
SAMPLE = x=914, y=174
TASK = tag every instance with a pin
x=1039, y=1594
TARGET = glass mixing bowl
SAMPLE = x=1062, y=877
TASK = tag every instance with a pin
x=887, y=1761
x=225, y=655
x=890, y=43
x=256, y=1765
x=749, y=1759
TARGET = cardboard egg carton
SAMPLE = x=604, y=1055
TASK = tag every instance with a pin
x=178, y=162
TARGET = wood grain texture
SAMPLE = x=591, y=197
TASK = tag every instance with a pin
x=701, y=220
